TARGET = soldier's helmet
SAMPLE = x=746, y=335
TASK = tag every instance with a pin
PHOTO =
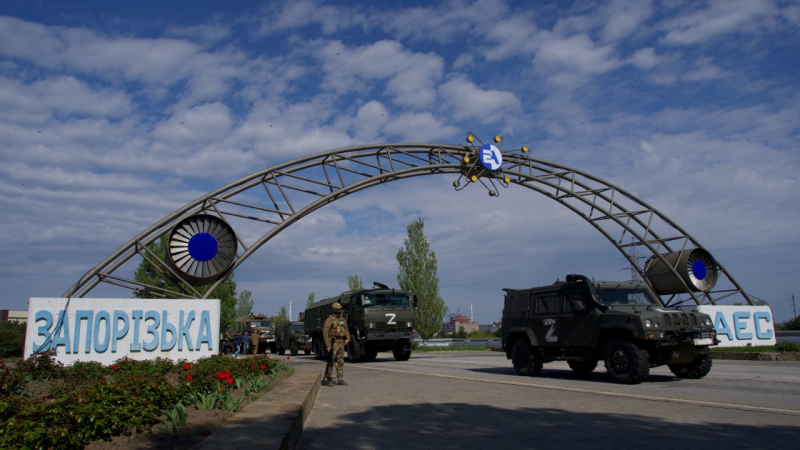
x=336, y=307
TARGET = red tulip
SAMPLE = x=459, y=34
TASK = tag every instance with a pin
x=114, y=367
x=230, y=380
x=288, y=358
x=187, y=366
x=263, y=366
x=189, y=377
x=253, y=367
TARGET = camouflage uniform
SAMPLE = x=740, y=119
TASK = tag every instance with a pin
x=335, y=333
x=254, y=341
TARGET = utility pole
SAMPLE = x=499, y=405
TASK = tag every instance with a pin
x=471, y=317
x=290, y=311
x=794, y=311
x=635, y=259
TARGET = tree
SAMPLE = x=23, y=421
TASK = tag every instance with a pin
x=310, y=299
x=244, y=306
x=159, y=277
x=354, y=283
x=281, y=317
x=417, y=274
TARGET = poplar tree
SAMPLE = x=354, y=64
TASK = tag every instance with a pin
x=354, y=283
x=417, y=274
x=310, y=299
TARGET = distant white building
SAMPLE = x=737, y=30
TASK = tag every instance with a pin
x=11, y=315
x=458, y=321
x=492, y=328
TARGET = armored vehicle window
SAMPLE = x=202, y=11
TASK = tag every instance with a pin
x=627, y=297
x=573, y=302
x=263, y=323
x=298, y=327
x=393, y=300
x=546, y=303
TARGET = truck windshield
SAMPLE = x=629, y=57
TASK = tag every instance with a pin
x=391, y=300
x=260, y=324
x=298, y=328
x=627, y=297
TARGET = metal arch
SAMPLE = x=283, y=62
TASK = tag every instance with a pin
x=296, y=188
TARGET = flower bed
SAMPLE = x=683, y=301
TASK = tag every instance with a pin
x=44, y=404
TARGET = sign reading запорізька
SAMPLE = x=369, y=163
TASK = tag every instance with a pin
x=105, y=330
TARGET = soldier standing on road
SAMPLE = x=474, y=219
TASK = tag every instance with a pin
x=336, y=336
x=245, y=343
x=254, y=341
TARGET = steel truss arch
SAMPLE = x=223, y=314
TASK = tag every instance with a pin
x=296, y=188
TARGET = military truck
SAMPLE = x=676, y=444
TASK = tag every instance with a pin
x=292, y=336
x=623, y=324
x=379, y=319
x=261, y=324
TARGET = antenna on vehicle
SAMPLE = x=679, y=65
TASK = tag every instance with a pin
x=380, y=285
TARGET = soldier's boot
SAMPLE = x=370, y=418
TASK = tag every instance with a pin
x=328, y=382
x=342, y=382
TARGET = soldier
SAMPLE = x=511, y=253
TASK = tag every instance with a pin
x=336, y=337
x=254, y=341
x=227, y=343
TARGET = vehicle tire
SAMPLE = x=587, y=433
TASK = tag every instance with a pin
x=370, y=354
x=307, y=352
x=695, y=369
x=281, y=350
x=626, y=363
x=527, y=362
x=401, y=351
x=273, y=347
x=294, y=349
x=317, y=349
x=583, y=367
x=352, y=352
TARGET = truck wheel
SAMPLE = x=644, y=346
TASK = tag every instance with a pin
x=626, y=363
x=695, y=369
x=294, y=349
x=352, y=352
x=583, y=367
x=281, y=350
x=317, y=349
x=527, y=362
x=402, y=351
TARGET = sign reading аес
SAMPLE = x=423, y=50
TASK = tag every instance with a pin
x=105, y=330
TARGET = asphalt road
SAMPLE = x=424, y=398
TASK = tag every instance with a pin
x=464, y=400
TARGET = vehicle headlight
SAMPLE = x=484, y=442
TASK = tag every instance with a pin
x=707, y=322
x=408, y=324
x=371, y=325
x=648, y=323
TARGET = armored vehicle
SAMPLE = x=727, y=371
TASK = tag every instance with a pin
x=266, y=336
x=379, y=319
x=623, y=324
x=292, y=336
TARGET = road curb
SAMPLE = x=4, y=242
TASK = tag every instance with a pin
x=275, y=420
x=757, y=356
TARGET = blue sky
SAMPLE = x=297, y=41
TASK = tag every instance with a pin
x=114, y=114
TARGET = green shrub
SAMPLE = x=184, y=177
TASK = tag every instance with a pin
x=786, y=347
x=12, y=339
x=41, y=366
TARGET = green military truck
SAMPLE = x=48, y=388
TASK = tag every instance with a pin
x=623, y=324
x=292, y=336
x=379, y=319
x=262, y=325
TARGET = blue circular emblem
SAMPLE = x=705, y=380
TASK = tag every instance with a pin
x=203, y=246
x=699, y=270
x=490, y=157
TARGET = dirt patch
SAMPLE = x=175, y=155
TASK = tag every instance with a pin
x=199, y=425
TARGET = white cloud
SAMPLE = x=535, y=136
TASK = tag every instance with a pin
x=645, y=58
x=625, y=17
x=469, y=102
x=704, y=71
x=720, y=18
x=279, y=17
x=446, y=22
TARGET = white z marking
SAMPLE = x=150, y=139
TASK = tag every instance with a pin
x=391, y=321
x=549, y=336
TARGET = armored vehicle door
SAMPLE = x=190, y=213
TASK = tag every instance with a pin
x=577, y=319
x=516, y=313
x=544, y=320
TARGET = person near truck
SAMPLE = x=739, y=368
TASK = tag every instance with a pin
x=336, y=336
x=237, y=344
x=245, y=343
x=254, y=341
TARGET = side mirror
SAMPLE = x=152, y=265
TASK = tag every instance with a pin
x=415, y=301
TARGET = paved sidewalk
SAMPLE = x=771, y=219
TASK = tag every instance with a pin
x=274, y=421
